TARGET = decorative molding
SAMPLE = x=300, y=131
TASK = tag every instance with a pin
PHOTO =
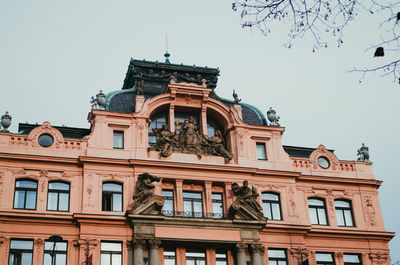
x=322, y=151
x=154, y=243
x=291, y=202
x=46, y=128
x=241, y=247
x=369, y=210
x=378, y=258
x=139, y=243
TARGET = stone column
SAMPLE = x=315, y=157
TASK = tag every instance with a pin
x=38, y=250
x=179, y=196
x=154, y=245
x=255, y=254
x=138, y=246
x=208, y=192
x=241, y=253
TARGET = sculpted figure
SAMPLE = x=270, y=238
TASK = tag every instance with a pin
x=139, y=88
x=190, y=130
x=247, y=196
x=164, y=140
x=218, y=146
x=144, y=188
x=363, y=153
x=236, y=99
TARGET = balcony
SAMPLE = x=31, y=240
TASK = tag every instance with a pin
x=186, y=214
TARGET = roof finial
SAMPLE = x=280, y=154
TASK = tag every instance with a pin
x=166, y=54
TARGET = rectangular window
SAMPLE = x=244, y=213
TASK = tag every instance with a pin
x=192, y=204
x=25, y=194
x=169, y=257
x=112, y=197
x=58, y=196
x=217, y=205
x=277, y=257
x=195, y=257
x=21, y=252
x=55, y=253
x=221, y=258
x=352, y=259
x=317, y=211
x=271, y=205
x=118, y=139
x=168, y=208
x=324, y=258
x=111, y=253
x=261, y=154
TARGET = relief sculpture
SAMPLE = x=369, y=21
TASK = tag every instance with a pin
x=189, y=140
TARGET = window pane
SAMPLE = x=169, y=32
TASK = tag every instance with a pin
x=110, y=246
x=276, y=213
x=348, y=217
x=26, y=184
x=47, y=259
x=118, y=139
x=48, y=245
x=167, y=193
x=21, y=244
x=189, y=262
x=353, y=258
x=64, y=202
x=117, y=202
x=339, y=203
x=201, y=262
x=26, y=259
x=58, y=186
x=19, y=199
x=198, y=208
x=324, y=257
x=313, y=216
x=195, y=254
x=322, y=217
x=272, y=262
x=316, y=202
x=168, y=205
x=105, y=259
x=276, y=253
x=269, y=196
x=261, y=151
x=30, y=200
x=221, y=262
x=187, y=206
x=217, y=207
x=267, y=210
x=339, y=217
x=169, y=261
x=191, y=195
x=216, y=196
x=112, y=187
x=61, y=259
x=116, y=259
x=52, y=201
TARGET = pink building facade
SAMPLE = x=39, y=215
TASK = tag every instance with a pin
x=79, y=183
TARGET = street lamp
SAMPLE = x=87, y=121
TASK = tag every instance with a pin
x=54, y=239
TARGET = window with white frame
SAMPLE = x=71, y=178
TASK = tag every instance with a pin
x=352, y=259
x=55, y=253
x=324, y=258
x=21, y=252
x=111, y=253
x=344, y=213
x=277, y=256
x=261, y=153
x=118, y=139
x=317, y=210
x=271, y=205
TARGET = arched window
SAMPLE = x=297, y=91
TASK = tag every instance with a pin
x=344, y=213
x=58, y=196
x=112, y=196
x=25, y=194
x=213, y=126
x=157, y=121
x=271, y=205
x=181, y=117
x=317, y=211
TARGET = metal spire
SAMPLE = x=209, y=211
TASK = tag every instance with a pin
x=166, y=54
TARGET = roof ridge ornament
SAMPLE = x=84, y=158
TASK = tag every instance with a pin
x=99, y=103
x=236, y=98
x=6, y=121
x=363, y=153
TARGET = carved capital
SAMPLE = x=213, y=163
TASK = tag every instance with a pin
x=85, y=242
x=256, y=248
x=139, y=243
x=379, y=257
x=39, y=241
x=339, y=255
x=241, y=247
x=154, y=243
x=298, y=253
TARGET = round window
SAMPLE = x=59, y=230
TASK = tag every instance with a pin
x=323, y=162
x=46, y=140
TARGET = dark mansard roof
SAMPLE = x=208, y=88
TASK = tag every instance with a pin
x=67, y=132
x=156, y=77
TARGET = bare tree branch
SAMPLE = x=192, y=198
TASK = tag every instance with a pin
x=325, y=21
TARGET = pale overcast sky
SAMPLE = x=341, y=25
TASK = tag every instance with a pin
x=56, y=54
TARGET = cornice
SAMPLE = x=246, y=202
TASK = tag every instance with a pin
x=103, y=160
x=28, y=217
x=40, y=158
x=342, y=180
x=347, y=233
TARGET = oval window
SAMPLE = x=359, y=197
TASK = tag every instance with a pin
x=46, y=140
x=323, y=162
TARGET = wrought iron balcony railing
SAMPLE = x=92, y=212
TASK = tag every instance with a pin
x=187, y=214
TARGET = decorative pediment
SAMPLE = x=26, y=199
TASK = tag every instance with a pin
x=46, y=128
x=323, y=154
